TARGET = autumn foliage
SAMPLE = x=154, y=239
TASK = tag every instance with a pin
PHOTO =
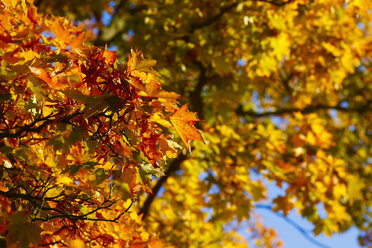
x=80, y=134
x=96, y=147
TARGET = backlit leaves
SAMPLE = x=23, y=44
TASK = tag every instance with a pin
x=183, y=121
x=76, y=128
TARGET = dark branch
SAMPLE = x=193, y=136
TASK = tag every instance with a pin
x=214, y=18
x=83, y=216
x=226, y=9
x=285, y=81
x=307, y=110
x=304, y=232
x=196, y=105
x=276, y=3
x=195, y=96
x=173, y=167
x=37, y=197
x=33, y=128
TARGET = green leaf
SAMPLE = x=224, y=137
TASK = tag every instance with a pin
x=22, y=232
x=92, y=144
x=57, y=142
x=72, y=169
x=6, y=149
x=100, y=175
x=112, y=101
x=77, y=134
x=89, y=165
x=55, y=58
x=149, y=169
x=145, y=65
x=5, y=97
x=123, y=189
x=75, y=94
x=21, y=153
x=145, y=176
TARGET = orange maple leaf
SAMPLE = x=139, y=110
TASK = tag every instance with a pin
x=137, y=62
x=54, y=82
x=153, y=89
x=183, y=121
x=63, y=32
x=110, y=56
x=42, y=74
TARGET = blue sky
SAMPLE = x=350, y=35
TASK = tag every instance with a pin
x=291, y=237
x=294, y=239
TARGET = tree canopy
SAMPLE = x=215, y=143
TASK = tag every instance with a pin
x=98, y=105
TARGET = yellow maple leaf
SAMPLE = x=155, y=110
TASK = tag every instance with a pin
x=64, y=179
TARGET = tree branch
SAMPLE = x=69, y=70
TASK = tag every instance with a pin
x=194, y=26
x=32, y=128
x=84, y=216
x=304, y=232
x=196, y=101
x=306, y=110
x=173, y=167
x=36, y=195
x=228, y=8
x=195, y=96
x=276, y=3
x=196, y=105
x=214, y=18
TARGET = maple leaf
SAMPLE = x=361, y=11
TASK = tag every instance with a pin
x=22, y=232
x=110, y=56
x=148, y=147
x=183, y=121
x=153, y=89
x=61, y=29
x=144, y=77
x=137, y=62
x=42, y=74
x=53, y=82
